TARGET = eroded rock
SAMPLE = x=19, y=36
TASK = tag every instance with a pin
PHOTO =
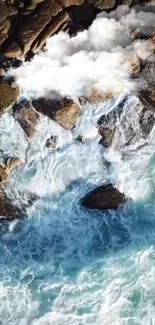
x=27, y=117
x=8, y=96
x=64, y=111
x=104, y=197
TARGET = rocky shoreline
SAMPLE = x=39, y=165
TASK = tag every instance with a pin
x=26, y=39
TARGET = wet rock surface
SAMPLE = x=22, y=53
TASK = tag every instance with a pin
x=25, y=25
x=8, y=96
x=8, y=211
x=27, y=117
x=63, y=111
x=104, y=197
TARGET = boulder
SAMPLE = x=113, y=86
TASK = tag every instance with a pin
x=107, y=134
x=63, y=111
x=104, y=197
x=27, y=117
x=8, y=96
x=8, y=211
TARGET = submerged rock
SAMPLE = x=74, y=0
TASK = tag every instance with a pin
x=8, y=211
x=104, y=197
x=51, y=142
x=63, y=111
x=27, y=117
x=8, y=96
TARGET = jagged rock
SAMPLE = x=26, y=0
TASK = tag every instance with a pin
x=8, y=211
x=68, y=3
x=107, y=136
x=52, y=27
x=8, y=96
x=104, y=197
x=3, y=11
x=27, y=117
x=36, y=23
x=51, y=142
x=3, y=175
x=102, y=4
x=12, y=163
x=64, y=111
x=13, y=50
x=12, y=10
x=6, y=27
x=9, y=165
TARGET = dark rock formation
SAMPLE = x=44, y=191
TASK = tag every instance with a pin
x=8, y=96
x=104, y=197
x=8, y=211
x=63, y=111
x=25, y=25
x=27, y=117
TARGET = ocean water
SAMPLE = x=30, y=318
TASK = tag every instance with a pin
x=63, y=264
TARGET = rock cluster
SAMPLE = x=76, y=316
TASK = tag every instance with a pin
x=25, y=25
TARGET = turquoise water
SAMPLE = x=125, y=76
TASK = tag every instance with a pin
x=63, y=264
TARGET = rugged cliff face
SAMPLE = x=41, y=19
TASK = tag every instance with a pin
x=25, y=25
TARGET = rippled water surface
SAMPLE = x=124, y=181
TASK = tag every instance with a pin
x=63, y=264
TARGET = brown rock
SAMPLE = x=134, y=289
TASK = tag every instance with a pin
x=49, y=30
x=6, y=27
x=3, y=175
x=27, y=117
x=104, y=197
x=103, y=4
x=12, y=163
x=95, y=96
x=68, y=3
x=13, y=50
x=8, y=96
x=3, y=11
x=37, y=22
x=64, y=111
x=12, y=10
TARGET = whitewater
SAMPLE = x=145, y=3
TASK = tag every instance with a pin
x=63, y=264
